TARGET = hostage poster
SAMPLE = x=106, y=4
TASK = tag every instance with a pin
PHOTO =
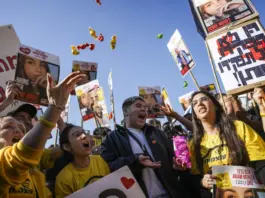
x=184, y=100
x=237, y=181
x=216, y=15
x=88, y=68
x=180, y=53
x=239, y=56
x=210, y=88
x=92, y=103
x=8, y=62
x=152, y=97
x=31, y=74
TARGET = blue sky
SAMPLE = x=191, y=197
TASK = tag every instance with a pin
x=139, y=58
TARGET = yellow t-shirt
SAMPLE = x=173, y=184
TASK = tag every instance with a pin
x=46, y=161
x=212, y=153
x=18, y=177
x=71, y=179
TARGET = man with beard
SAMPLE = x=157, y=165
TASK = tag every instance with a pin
x=145, y=150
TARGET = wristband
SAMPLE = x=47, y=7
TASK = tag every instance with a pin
x=46, y=122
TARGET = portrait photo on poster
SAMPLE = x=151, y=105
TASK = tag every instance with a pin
x=180, y=53
x=153, y=100
x=217, y=14
x=31, y=74
x=92, y=103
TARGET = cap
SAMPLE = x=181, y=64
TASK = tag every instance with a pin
x=28, y=108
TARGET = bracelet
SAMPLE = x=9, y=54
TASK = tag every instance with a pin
x=60, y=108
x=46, y=122
x=262, y=114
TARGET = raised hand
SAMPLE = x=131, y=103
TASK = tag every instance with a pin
x=168, y=111
x=259, y=97
x=58, y=95
x=145, y=160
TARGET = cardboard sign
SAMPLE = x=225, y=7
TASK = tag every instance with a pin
x=88, y=68
x=210, y=88
x=237, y=181
x=152, y=97
x=31, y=74
x=185, y=100
x=92, y=102
x=215, y=16
x=119, y=184
x=8, y=61
x=239, y=56
x=180, y=53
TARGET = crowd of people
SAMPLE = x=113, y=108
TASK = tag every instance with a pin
x=219, y=133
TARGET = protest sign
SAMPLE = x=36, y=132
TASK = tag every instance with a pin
x=119, y=184
x=210, y=88
x=88, y=68
x=8, y=61
x=31, y=74
x=92, y=102
x=239, y=56
x=184, y=100
x=215, y=16
x=152, y=97
x=65, y=112
x=236, y=181
x=165, y=98
x=180, y=53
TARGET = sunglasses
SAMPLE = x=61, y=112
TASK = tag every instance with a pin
x=202, y=99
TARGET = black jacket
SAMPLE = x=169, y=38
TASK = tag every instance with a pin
x=117, y=152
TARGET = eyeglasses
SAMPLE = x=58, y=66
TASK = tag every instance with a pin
x=202, y=99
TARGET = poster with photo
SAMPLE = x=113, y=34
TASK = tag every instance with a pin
x=88, y=68
x=239, y=56
x=217, y=15
x=237, y=181
x=92, y=102
x=119, y=184
x=31, y=74
x=8, y=61
x=184, y=100
x=180, y=53
x=210, y=88
x=152, y=97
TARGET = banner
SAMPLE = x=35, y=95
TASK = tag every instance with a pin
x=216, y=15
x=152, y=97
x=180, y=53
x=119, y=184
x=239, y=56
x=31, y=74
x=184, y=100
x=92, y=102
x=210, y=88
x=111, y=98
x=8, y=61
x=237, y=181
x=88, y=68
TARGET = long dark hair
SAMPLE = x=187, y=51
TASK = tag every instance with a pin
x=228, y=135
x=64, y=139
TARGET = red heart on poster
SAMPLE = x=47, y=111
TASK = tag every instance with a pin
x=24, y=50
x=127, y=183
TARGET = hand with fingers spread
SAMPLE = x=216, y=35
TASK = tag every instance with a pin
x=168, y=111
x=208, y=181
x=12, y=91
x=145, y=161
x=58, y=95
